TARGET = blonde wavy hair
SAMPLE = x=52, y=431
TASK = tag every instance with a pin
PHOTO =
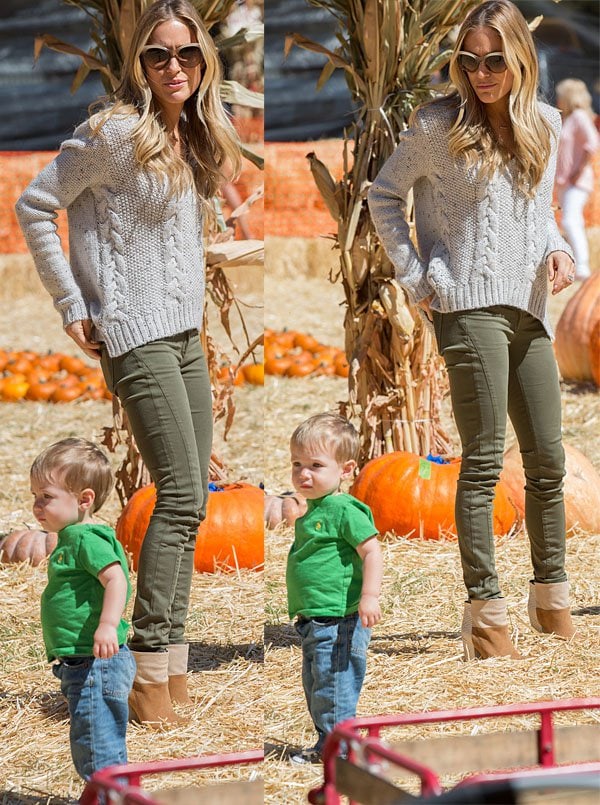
x=211, y=141
x=575, y=95
x=471, y=135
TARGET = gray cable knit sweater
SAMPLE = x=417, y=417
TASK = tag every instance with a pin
x=481, y=243
x=136, y=264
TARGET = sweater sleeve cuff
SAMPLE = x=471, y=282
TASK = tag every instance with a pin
x=419, y=290
x=76, y=311
x=556, y=243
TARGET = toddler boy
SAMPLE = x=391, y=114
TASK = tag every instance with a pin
x=333, y=577
x=82, y=605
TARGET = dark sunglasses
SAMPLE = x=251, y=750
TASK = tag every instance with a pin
x=494, y=62
x=157, y=57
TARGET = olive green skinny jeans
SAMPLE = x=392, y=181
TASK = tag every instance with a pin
x=500, y=360
x=165, y=390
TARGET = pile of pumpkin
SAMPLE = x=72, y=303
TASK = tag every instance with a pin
x=53, y=377
x=295, y=354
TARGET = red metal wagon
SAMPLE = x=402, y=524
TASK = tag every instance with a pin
x=562, y=762
x=122, y=784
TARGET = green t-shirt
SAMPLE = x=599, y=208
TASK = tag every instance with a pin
x=72, y=600
x=324, y=570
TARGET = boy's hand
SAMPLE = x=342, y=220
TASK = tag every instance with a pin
x=369, y=610
x=368, y=606
x=106, y=643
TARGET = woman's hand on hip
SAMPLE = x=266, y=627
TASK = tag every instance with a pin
x=81, y=332
x=561, y=271
x=425, y=304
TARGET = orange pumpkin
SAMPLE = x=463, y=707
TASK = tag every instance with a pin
x=66, y=392
x=277, y=366
x=231, y=536
x=306, y=342
x=582, y=488
x=18, y=365
x=50, y=362
x=255, y=373
x=226, y=376
x=342, y=368
x=283, y=509
x=27, y=545
x=301, y=367
x=14, y=387
x=414, y=497
x=41, y=392
x=72, y=364
x=575, y=326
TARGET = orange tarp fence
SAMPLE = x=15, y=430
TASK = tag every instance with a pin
x=293, y=206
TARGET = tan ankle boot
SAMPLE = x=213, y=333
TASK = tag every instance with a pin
x=466, y=630
x=489, y=631
x=177, y=668
x=149, y=700
x=549, y=609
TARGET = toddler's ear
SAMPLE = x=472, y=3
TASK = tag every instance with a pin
x=86, y=499
x=348, y=468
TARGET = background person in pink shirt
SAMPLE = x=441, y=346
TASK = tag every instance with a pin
x=574, y=174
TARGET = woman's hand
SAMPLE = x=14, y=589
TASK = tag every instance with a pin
x=80, y=332
x=561, y=271
x=424, y=304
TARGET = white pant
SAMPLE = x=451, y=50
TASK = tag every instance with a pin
x=572, y=201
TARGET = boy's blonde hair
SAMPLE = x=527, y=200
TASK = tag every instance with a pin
x=331, y=432
x=75, y=464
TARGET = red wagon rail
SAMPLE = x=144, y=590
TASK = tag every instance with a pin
x=122, y=784
x=355, y=754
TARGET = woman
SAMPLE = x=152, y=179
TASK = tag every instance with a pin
x=574, y=173
x=481, y=163
x=136, y=180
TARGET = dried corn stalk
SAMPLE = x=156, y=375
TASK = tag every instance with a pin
x=389, y=51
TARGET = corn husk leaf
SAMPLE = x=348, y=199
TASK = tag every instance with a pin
x=235, y=253
x=49, y=41
x=233, y=92
x=325, y=184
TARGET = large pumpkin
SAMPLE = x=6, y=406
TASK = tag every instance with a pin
x=574, y=329
x=27, y=545
x=231, y=536
x=414, y=497
x=582, y=488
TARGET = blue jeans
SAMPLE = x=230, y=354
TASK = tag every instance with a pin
x=97, y=693
x=334, y=662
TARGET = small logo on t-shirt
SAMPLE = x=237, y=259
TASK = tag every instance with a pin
x=318, y=526
x=59, y=558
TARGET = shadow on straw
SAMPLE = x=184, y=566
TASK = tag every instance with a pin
x=208, y=656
